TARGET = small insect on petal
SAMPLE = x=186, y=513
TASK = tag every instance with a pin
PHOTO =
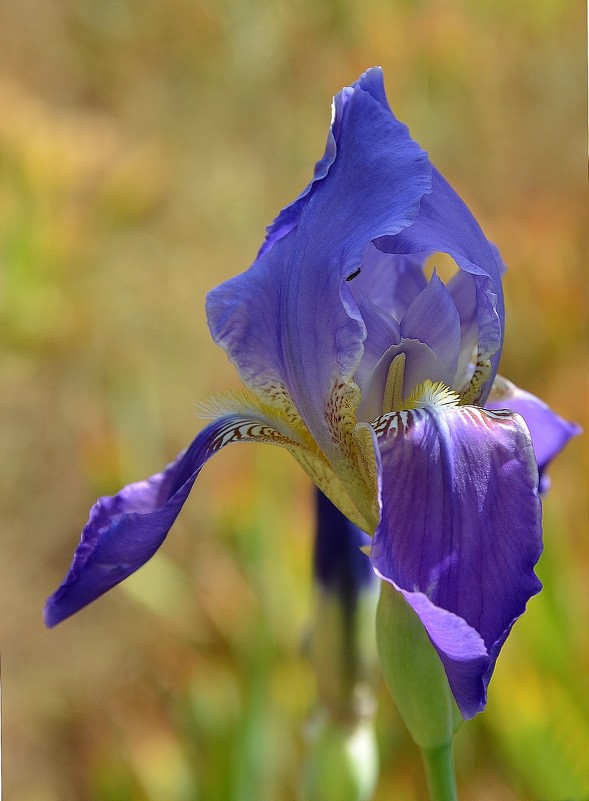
x=355, y=274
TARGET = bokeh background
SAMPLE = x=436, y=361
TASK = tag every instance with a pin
x=144, y=146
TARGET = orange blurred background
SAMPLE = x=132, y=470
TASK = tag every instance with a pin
x=144, y=147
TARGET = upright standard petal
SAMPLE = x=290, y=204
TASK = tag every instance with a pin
x=460, y=531
x=372, y=82
x=433, y=319
x=290, y=323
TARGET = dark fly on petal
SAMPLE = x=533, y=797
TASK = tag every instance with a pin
x=355, y=274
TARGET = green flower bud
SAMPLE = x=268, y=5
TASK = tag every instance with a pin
x=343, y=760
x=414, y=673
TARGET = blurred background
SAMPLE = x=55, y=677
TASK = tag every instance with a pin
x=144, y=147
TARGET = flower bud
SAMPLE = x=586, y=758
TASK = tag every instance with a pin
x=343, y=648
x=414, y=672
x=342, y=763
x=343, y=760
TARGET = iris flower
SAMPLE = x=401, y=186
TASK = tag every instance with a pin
x=377, y=380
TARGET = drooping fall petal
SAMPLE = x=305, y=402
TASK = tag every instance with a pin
x=125, y=530
x=460, y=532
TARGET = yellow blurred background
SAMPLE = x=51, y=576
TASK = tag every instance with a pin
x=144, y=146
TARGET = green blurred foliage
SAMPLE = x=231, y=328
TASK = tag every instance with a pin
x=143, y=148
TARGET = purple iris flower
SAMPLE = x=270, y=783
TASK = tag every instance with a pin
x=375, y=379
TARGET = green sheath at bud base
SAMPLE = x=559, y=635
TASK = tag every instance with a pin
x=414, y=673
x=343, y=763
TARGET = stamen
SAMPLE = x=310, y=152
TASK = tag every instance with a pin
x=393, y=392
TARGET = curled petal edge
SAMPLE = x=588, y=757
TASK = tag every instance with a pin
x=549, y=431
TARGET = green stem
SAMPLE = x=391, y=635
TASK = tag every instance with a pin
x=439, y=768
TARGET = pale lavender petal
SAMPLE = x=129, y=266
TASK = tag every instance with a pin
x=550, y=432
x=433, y=319
x=445, y=224
x=125, y=530
x=382, y=331
x=460, y=525
x=390, y=281
x=421, y=364
x=462, y=288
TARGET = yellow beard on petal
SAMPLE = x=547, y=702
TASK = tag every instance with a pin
x=431, y=394
x=353, y=457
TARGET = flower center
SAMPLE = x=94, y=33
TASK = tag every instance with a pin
x=432, y=394
x=425, y=394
